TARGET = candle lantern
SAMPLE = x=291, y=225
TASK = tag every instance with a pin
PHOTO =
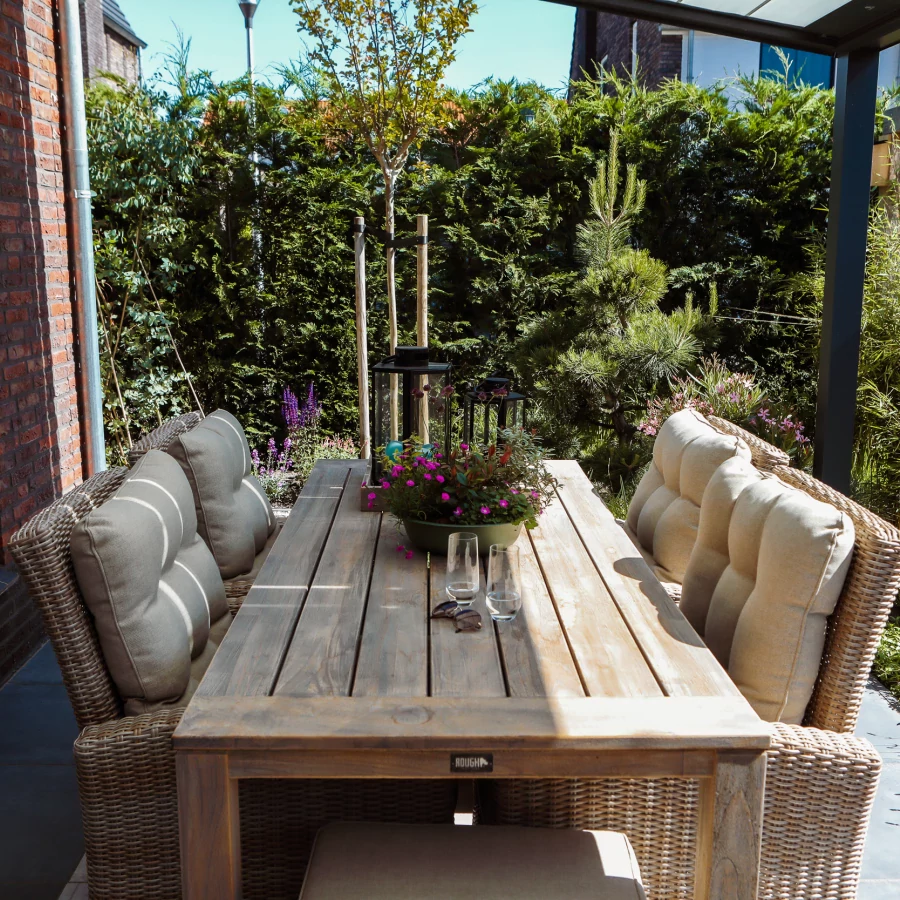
x=410, y=397
x=490, y=408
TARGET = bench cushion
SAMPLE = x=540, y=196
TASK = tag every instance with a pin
x=450, y=862
x=765, y=574
x=665, y=510
x=150, y=582
x=234, y=516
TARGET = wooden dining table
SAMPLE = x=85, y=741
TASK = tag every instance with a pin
x=333, y=669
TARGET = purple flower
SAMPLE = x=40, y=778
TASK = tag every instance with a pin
x=401, y=548
x=535, y=495
x=386, y=485
x=457, y=511
x=426, y=387
x=439, y=479
x=733, y=397
x=290, y=409
x=409, y=554
x=373, y=496
x=428, y=477
x=448, y=390
x=513, y=491
x=365, y=483
x=397, y=471
x=485, y=510
x=504, y=503
x=445, y=497
x=463, y=446
x=410, y=483
x=254, y=455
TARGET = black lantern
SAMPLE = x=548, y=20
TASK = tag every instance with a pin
x=410, y=396
x=489, y=408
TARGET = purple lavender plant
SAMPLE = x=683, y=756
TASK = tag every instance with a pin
x=290, y=409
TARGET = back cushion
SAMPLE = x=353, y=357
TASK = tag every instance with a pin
x=149, y=581
x=665, y=511
x=765, y=574
x=234, y=516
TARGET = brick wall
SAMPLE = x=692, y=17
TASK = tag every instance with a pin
x=614, y=43
x=40, y=449
x=93, y=36
x=670, y=56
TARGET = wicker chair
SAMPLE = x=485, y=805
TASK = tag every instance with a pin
x=765, y=456
x=126, y=765
x=820, y=779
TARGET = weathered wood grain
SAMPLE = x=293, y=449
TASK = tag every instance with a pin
x=322, y=655
x=674, y=651
x=248, y=660
x=393, y=652
x=464, y=664
x=608, y=659
x=359, y=723
x=533, y=648
x=209, y=826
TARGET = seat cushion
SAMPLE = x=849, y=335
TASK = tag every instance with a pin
x=665, y=511
x=673, y=589
x=450, y=862
x=149, y=581
x=765, y=574
x=234, y=516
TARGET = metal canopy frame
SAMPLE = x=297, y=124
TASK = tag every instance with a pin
x=856, y=44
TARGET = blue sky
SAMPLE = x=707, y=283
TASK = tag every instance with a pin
x=525, y=39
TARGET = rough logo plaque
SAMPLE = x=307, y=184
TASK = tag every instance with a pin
x=472, y=763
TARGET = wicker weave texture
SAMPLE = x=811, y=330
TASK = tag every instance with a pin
x=660, y=818
x=765, y=456
x=160, y=438
x=820, y=788
x=279, y=821
x=129, y=807
x=41, y=551
x=862, y=611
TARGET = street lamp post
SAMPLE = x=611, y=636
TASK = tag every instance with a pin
x=248, y=8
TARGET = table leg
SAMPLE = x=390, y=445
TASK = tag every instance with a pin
x=210, y=828
x=730, y=838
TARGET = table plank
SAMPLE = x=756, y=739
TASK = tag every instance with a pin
x=533, y=647
x=676, y=654
x=458, y=723
x=393, y=653
x=248, y=659
x=322, y=655
x=464, y=664
x=608, y=659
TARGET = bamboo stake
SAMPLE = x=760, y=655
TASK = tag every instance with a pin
x=362, y=342
x=422, y=305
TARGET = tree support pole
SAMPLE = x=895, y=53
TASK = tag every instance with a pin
x=362, y=341
x=856, y=85
x=422, y=306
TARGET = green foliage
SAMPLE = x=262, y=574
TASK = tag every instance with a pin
x=887, y=658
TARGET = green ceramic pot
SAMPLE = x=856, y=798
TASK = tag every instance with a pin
x=432, y=537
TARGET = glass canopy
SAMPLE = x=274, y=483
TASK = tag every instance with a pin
x=823, y=26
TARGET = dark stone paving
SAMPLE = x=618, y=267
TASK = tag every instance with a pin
x=879, y=722
x=40, y=820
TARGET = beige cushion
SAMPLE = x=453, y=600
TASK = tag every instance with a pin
x=464, y=862
x=149, y=580
x=762, y=598
x=665, y=511
x=673, y=589
x=234, y=516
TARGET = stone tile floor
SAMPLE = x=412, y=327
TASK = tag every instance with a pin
x=41, y=843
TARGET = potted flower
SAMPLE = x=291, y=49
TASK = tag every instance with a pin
x=492, y=492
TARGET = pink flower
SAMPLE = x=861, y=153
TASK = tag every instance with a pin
x=397, y=471
x=457, y=511
x=385, y=485
x=370, y=505
x=504, y=503
x=373, y=496
x=439, y=479
x=445, y=497
x=463, y=446
x=438, y=455
x=365, y=483
x=400, y=548
x=513, y=491
x=535, y=495
x=428, y=477
x=409, y=554
x=410, y=483
x=485, y=510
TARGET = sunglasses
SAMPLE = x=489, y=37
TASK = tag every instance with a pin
x=464, y=619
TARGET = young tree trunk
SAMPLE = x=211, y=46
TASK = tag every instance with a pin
x=389, y=179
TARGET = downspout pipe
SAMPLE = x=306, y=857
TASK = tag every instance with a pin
x=81, y=238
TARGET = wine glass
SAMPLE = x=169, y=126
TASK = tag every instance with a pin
x=504, y=592
x=462, y=567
